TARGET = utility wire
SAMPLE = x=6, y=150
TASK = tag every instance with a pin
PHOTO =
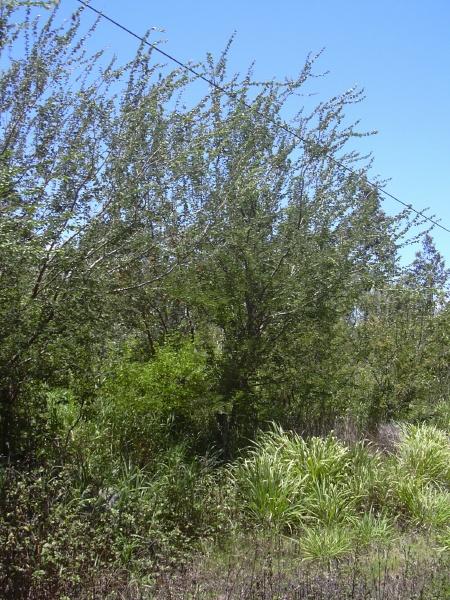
x=280, y=125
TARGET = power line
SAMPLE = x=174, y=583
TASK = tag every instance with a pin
x=280, y=125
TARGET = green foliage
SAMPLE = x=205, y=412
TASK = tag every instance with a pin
x=325, y=544
x=434, y=507
x=416, y=476
x=444, y=540
x=146, y=218
x=321, y=484
x=173, y=276
x=56, y=535
x=370, y=528
x=400, y=374
x=424, y=454
x=291, y=481
x=152, y=405
x=270, y=490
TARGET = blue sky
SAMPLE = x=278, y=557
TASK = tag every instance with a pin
x=397, y=50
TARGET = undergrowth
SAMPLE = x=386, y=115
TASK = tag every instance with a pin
x=113, y=524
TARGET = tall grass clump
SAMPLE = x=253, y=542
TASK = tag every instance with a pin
x=330, y=496
x=295, y=483
x=424, y=453
x=269, y=486
x=373, y=527
x=443, y=539
x=418, y=477
x=325, y=544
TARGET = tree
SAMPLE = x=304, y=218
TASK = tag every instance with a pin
x=133, y=213
x=76, y=233
x=400, y=360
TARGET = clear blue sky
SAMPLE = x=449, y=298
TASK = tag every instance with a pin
x=397, y=50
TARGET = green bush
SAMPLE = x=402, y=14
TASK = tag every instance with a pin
x=149, y=407
x=417, y=477
x=370, y=527
x=56, y=535
x=270, y=490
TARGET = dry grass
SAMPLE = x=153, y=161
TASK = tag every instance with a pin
x=270, y=569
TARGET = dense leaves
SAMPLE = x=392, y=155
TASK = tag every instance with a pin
x=177, y=271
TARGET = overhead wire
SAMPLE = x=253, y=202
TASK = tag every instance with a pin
x=280, y=125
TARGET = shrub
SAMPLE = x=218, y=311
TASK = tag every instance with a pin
x=320, y=483
x=417, y=477
x=151, y=406
x=56, y=535
x=367, y=476
x=433, y=508
x=328, y=503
